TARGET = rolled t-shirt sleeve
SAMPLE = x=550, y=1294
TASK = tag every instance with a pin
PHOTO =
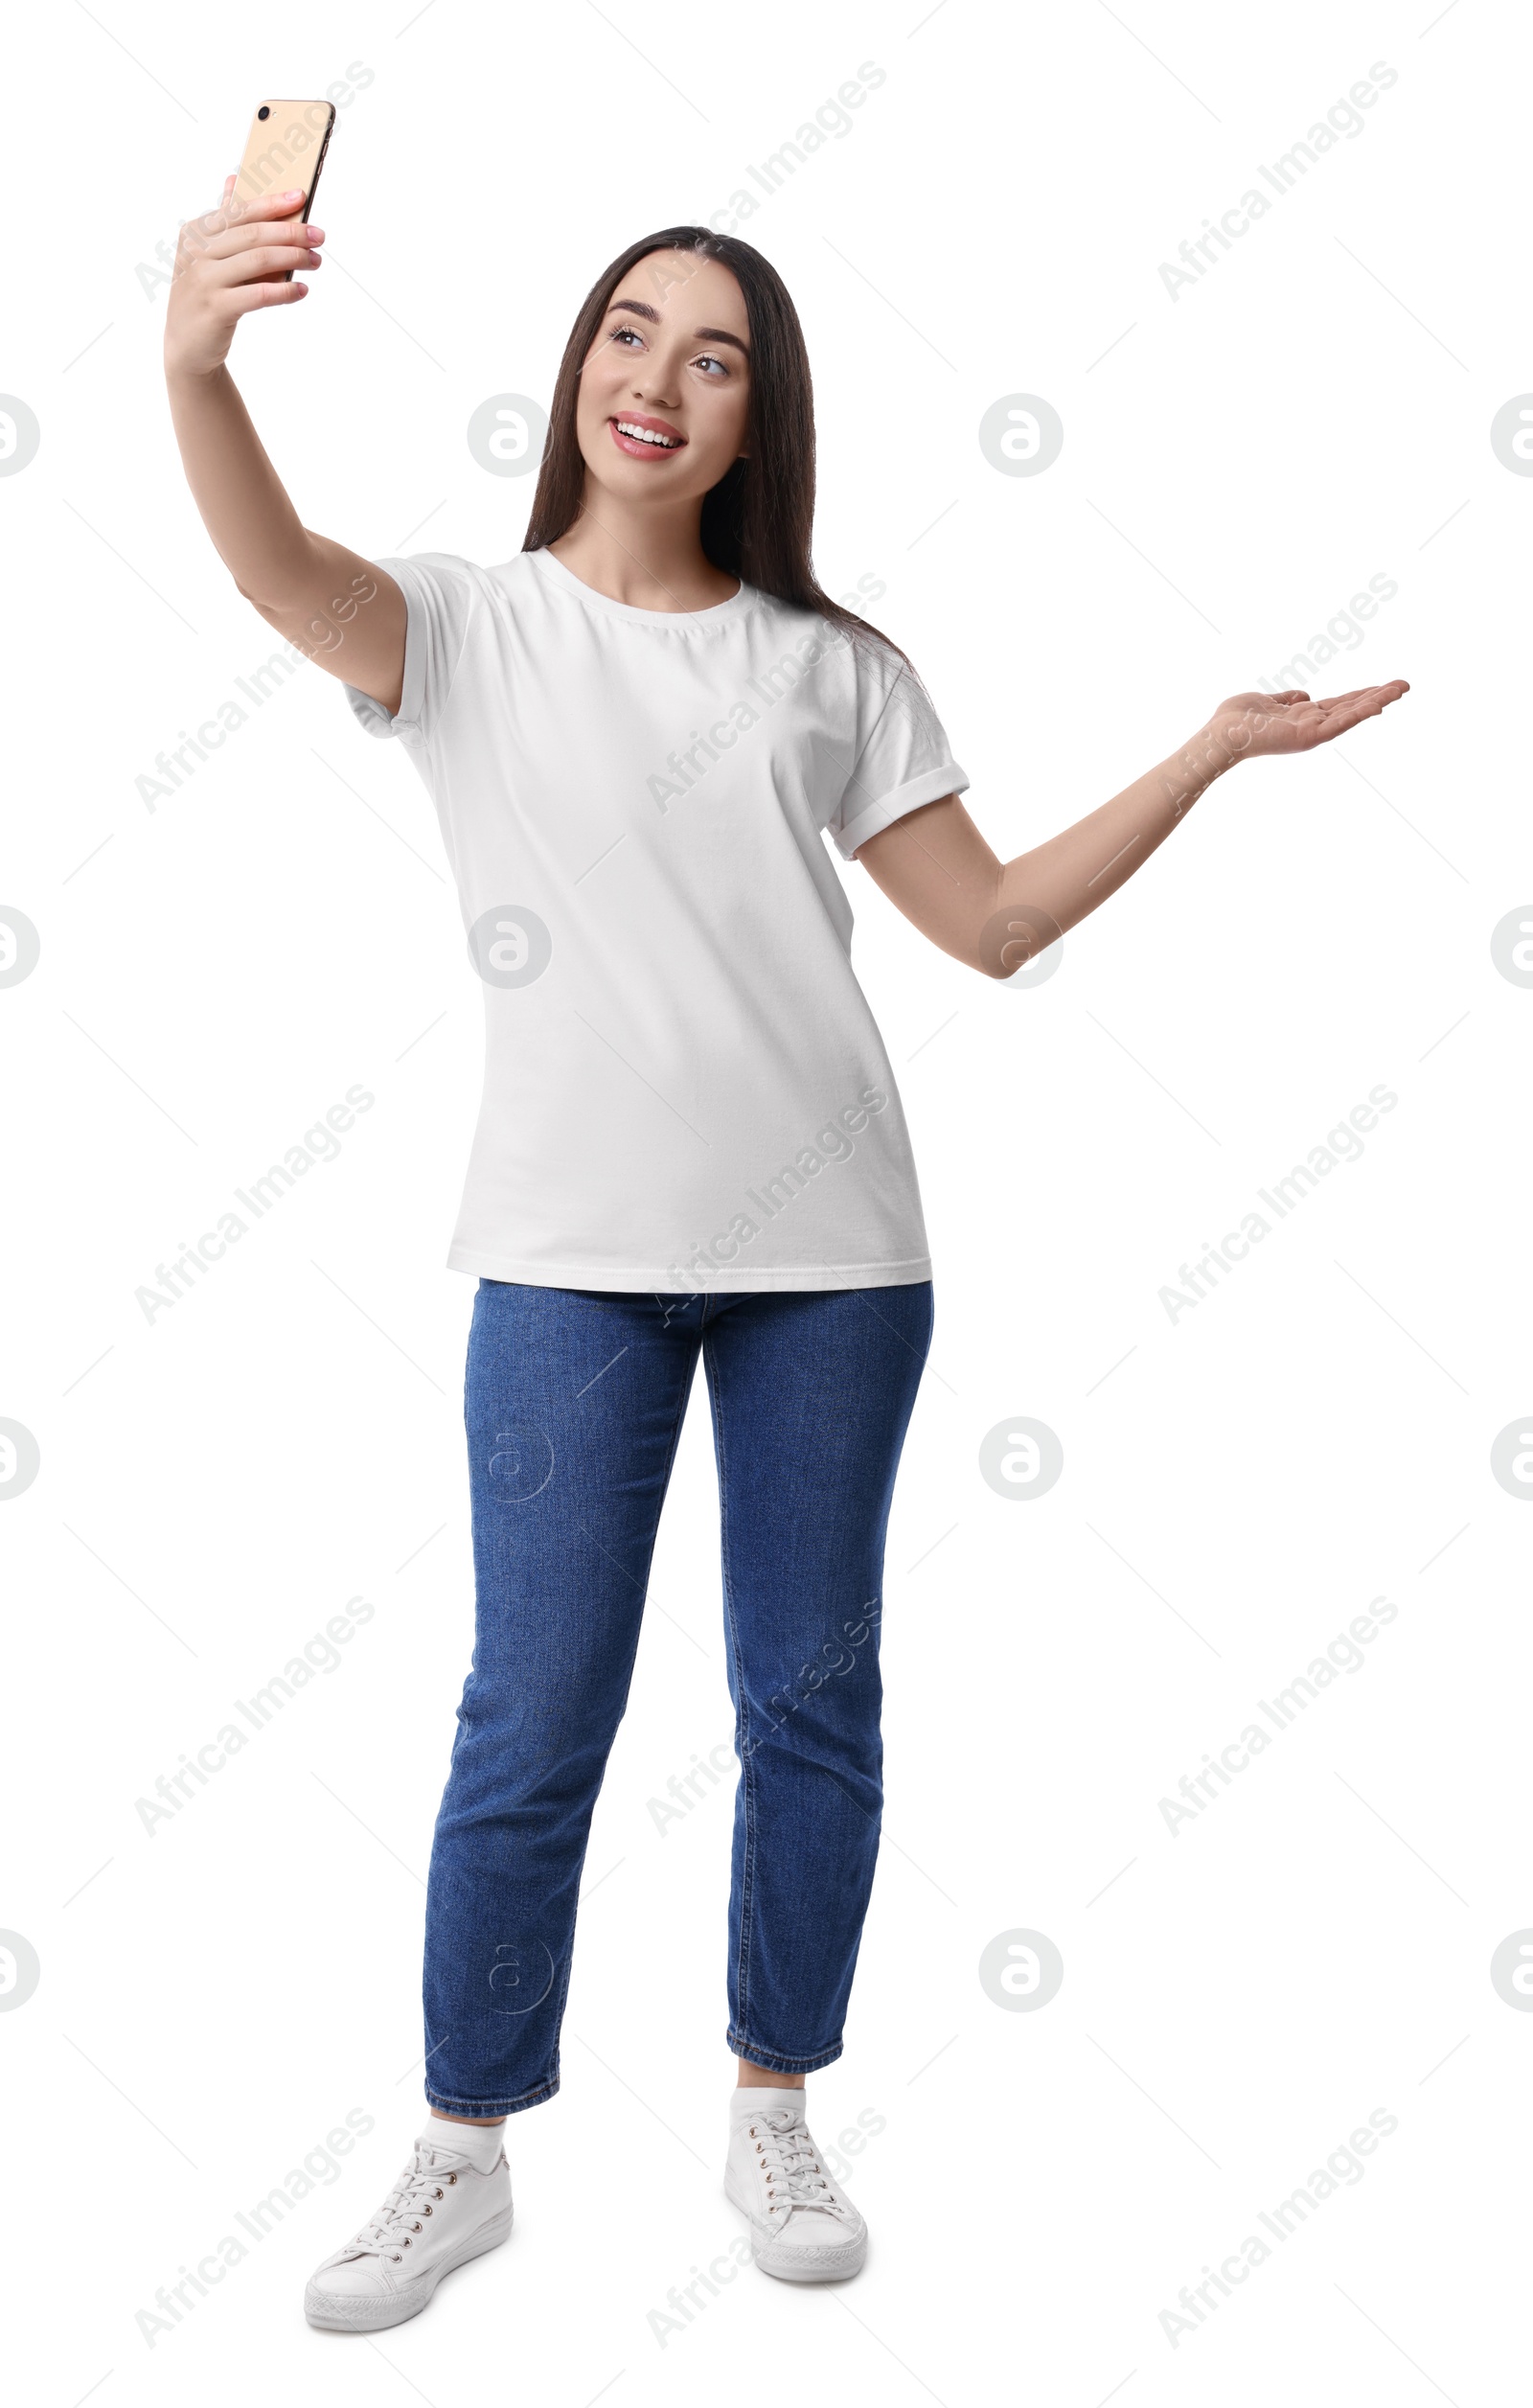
x=903, y=761
x=440, y=596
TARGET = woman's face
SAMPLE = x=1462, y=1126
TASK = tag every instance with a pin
x=672, y=365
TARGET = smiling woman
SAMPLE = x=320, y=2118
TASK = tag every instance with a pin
x=677, y=1051
x=692, y=339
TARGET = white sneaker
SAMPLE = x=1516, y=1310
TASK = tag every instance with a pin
x=441, y=2211
x=802, y=2228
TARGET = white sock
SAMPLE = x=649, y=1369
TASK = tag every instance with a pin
x=479, y=2143
x=753, y=2098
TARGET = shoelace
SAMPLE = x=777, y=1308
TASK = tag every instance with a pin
x=414, y=2198
x=794, y=2176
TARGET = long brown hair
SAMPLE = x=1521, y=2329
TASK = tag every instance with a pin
x=757, y=520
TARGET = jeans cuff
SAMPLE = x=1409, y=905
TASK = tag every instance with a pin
x=775, y=2063
x=473, y=2107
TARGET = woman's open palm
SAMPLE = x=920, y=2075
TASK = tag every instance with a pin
x=1256, y=724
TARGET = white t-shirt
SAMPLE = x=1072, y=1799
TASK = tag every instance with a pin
x=684, y=1087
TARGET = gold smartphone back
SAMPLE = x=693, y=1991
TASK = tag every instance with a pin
x=285, y=152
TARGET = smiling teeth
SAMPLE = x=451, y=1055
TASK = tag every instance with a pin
x=642, y=434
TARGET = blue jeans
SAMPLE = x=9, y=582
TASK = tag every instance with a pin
x=574, y=1401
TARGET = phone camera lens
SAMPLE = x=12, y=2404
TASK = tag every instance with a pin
x=262, y=112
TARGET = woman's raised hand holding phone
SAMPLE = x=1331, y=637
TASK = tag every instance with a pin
x=229, y=262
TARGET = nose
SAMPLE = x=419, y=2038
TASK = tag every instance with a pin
x=654, y=382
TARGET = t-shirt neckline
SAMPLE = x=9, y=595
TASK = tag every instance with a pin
x=552, y=567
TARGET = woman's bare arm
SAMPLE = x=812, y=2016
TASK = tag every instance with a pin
x=937, y=869
x=346, y=615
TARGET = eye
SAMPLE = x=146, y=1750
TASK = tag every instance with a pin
x=711, y=360
x=619, y=331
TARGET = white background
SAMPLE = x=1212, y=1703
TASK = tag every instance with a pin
x=1238, y=1484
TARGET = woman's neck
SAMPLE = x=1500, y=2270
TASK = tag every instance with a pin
x=651, y=562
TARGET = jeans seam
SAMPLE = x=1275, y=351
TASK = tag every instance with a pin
x=743, y=1710
x=665, y=1476
x=563, y=1988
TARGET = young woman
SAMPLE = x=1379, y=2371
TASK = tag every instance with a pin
x=636, y=734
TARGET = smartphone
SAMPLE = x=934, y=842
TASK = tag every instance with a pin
x=285, y=152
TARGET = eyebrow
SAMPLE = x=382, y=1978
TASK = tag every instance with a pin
x=700, y=333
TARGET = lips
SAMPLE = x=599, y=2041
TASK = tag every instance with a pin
x=654, y=438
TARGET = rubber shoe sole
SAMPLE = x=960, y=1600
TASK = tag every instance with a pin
x=789, y=2262
x=336, y=2311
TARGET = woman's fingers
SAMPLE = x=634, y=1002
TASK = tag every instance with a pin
x=1350, y=709
x=1389, y=692
x=235, y=242
x=247, y=297
x=1318, y=722
x=274, y=258
x=230, y=232
x=1296, y=722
